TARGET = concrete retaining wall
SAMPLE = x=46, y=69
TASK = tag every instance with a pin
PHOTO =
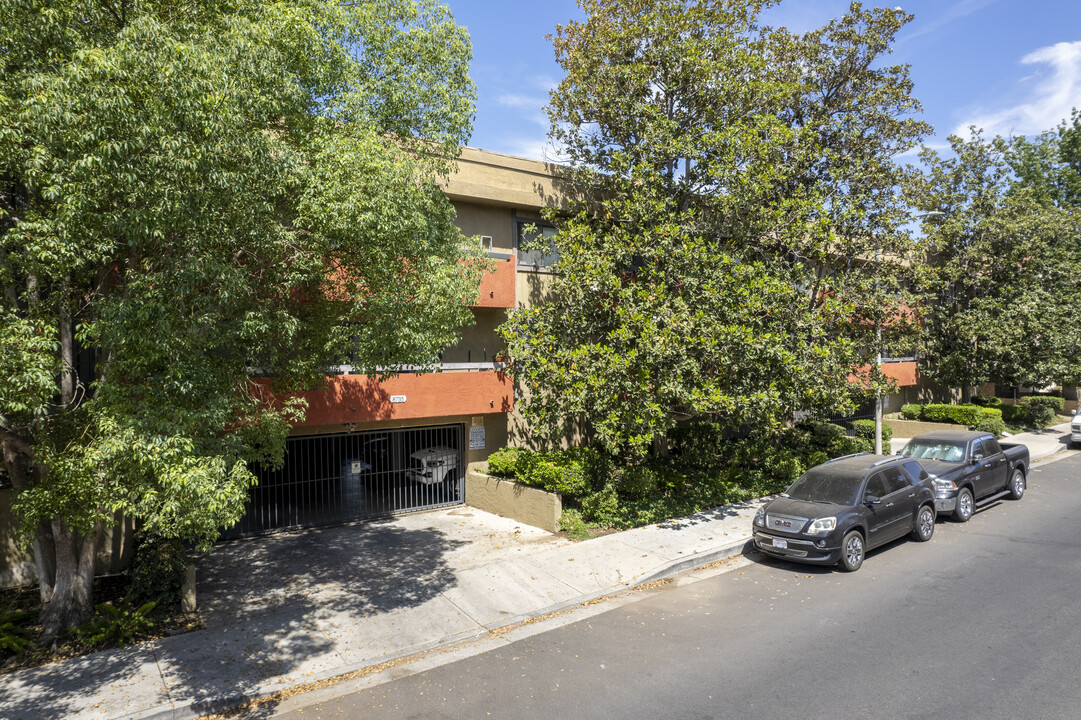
x=499, y=496
x=912, y=428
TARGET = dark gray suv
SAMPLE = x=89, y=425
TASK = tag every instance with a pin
x=837, y=511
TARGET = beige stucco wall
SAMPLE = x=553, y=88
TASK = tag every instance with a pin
x=506, y=498
x=495, y=222
x=912, y=428
x=497, y=179
x=480, y=342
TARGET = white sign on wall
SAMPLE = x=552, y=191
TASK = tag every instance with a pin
x=397, y=398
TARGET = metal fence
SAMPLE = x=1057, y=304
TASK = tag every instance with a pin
x=328, y=479
x=865, y=410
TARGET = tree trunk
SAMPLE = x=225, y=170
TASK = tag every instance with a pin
x=72, y=601
x=45, y=561
x=966, y=394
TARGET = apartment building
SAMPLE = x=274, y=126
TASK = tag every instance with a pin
x=369, y=448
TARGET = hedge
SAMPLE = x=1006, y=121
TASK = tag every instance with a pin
x=992, y=425
x=866, y=429
x=911, y=411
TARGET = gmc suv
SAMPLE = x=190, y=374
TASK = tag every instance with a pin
x=837, y=511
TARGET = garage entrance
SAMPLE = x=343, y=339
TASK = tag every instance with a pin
x=328, y=479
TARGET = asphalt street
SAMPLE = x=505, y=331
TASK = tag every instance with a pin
x=983, y=621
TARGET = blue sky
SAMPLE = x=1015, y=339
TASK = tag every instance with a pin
x=1007, y=66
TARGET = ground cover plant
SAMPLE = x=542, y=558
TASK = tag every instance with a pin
x=116, y=623
x=704, y=468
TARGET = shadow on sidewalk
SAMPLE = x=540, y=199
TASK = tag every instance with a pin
x=277, y=610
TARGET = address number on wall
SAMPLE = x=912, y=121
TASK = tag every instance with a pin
x=397, y=398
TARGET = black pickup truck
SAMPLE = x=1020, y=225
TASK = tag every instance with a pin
x=969, y=469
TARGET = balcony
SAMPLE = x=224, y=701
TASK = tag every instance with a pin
x=454, y=389
x=497, y=288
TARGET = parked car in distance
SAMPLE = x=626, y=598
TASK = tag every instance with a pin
x=837, y=511
x=969, y=469
x=1075, y=428
x=433, y=465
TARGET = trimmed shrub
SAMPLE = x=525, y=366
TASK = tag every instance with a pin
x=504, y=462
x=157, y=571
x=558, y=471
x=823, y=433
x=986, y=401
x=1041, y=411
x=959, y=414
x=968, y=415
x=602, y=508
x=992, y=425
x=1015, y=414
x=849, y=446
x=638, y=481
x=1054, y=402
x=911, y=411
x=866, y=430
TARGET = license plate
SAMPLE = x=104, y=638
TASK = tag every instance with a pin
x=779, y=543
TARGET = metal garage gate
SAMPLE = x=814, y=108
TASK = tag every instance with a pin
x=328, y=479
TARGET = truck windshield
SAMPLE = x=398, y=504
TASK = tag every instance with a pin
x=819, y=486
x=938, y=450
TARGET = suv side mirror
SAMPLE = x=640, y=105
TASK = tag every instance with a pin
x=976, y=458
x=872, y=500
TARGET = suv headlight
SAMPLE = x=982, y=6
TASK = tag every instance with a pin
x=941, y=484
x=760, y=517
x=821, y=526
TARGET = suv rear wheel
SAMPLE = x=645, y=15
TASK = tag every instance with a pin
x=925, y=524
x=852, y=551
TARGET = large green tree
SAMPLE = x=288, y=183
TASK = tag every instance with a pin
x=1000, y=278
x=738, y=238
x=1050, y=163
x=191, y=194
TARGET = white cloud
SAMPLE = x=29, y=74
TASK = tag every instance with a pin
x=958, y=10
x=534, y=148
x=1049, y=95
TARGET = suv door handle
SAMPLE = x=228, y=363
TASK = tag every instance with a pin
x=987, y=465
x=1002, y=459
x=889, y=504
x=912, y=494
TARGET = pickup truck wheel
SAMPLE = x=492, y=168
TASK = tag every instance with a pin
x=925, y=524
x=852, y=551
x=1017, y=484
x=965, y=506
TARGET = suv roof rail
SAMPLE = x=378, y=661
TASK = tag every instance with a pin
x=845, y=457
x=883, y=461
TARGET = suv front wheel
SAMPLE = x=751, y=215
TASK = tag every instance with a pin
x=852, y=551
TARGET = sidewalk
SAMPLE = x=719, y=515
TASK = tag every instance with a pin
x=294, y=608
x=291, y=609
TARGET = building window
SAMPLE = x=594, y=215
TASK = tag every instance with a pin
x=536, y=245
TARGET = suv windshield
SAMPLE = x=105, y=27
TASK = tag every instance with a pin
x=939, y=450
x=823, y=486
